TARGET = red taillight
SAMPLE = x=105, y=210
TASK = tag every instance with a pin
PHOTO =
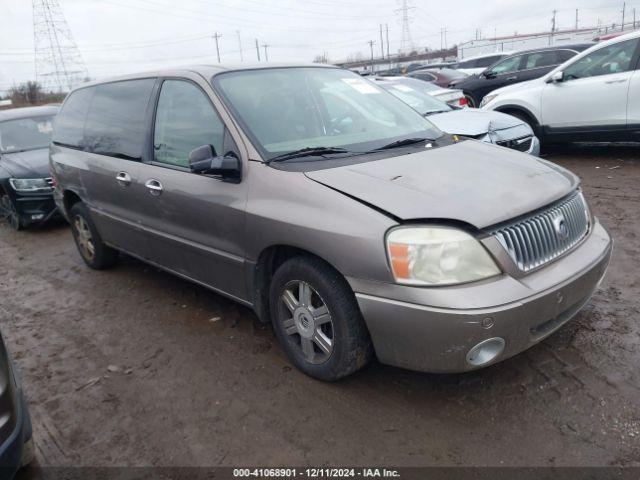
x=464, y=101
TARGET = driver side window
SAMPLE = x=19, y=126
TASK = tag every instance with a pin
x=185, y=120
x=508, y=65
x=608, y=60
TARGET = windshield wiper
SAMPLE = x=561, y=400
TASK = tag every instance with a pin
x=308, y=152
x=426, y=114
x=402, y=143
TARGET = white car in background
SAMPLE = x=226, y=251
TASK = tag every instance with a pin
x=449, y=96
x=595, y=96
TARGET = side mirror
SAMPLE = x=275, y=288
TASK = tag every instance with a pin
x=488, y=74
x=204, y=160
x=556, y=77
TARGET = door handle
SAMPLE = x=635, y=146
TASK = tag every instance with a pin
x=154, y=187
x=511, y=78
x=124, y=179
x=616, y=80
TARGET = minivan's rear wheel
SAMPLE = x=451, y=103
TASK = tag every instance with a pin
x=317, y=320
x=95, y=253
x=10, y=213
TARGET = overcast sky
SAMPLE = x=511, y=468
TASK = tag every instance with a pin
x=119, y=36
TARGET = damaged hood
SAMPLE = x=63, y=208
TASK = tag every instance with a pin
x=471, y=181
x=475, y=123
x=29, y=164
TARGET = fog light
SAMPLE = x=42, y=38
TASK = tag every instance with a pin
x=39, y=216
x=485, y=351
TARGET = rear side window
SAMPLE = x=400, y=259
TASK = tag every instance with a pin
x=116, y=122
x=185, y=120
x=564, y=55
x=69, y=124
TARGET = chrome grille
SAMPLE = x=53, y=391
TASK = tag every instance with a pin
x=522, y=144
x=545, y=235
x=49, y=181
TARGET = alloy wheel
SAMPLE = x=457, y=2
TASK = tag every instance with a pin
x=307, y=321
x=84, y=238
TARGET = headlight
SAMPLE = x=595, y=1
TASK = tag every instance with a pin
x=487, y=99
x=431, y=256
x=29, y=184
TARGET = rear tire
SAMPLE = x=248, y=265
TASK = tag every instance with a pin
x=95, y=253
x=317, y=320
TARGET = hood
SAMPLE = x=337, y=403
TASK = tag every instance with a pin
x=29, y=164
x=473, y=122
x=470, y=181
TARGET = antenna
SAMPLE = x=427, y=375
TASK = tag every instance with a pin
x=58, y=62
x=407, y=42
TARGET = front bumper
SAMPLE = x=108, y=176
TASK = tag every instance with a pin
x=35, y=208
x=433, y=329
x=513, y=134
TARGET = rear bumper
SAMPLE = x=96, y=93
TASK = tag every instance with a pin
x=433, y=330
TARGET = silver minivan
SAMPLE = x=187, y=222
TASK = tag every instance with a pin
x=331, y=208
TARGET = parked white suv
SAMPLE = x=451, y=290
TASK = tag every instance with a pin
x=595, y=96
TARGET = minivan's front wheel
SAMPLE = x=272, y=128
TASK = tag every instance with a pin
x=317, y=320
x=95, y=253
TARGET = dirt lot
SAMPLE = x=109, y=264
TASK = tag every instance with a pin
x=135, y=367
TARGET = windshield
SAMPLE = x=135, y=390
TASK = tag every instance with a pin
x=25, y=134
x=288, y=109
x=415, y=96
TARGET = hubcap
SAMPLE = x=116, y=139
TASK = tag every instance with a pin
x=84, y=238
x=307, y=321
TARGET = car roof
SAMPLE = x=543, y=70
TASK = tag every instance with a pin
x=484, y=55
x=206, y=70
x=621, y=38
x=572, y=46
x=27, y=112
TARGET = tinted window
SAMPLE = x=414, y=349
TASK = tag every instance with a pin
x=615, y=58
x=116, y=121
x=69, y=123
x=564, y=55
x=508, y=65
x=427, y=77
x=185, y=120
x=541, y=59
x=25, y=134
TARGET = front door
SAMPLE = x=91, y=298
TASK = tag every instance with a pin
x=593, y=93
x=196, y=221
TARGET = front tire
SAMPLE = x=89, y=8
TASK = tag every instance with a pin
x=10, y=213
x=317, y=320
x=95, y=253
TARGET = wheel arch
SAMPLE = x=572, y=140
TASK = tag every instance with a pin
x=69, y=199
x=518, y=109
x=260, y=275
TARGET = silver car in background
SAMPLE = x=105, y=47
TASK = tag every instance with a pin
x=491, y=127
x=333, y=209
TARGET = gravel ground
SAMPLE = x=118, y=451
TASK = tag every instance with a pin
x=136, y=367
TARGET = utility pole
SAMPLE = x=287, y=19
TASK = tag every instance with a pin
x=386, y=26
x=381, y=43
x=445, y=38
x=634, y=18
x=553, y=27
x=624, y=8
x=266, y=57
x=240, y=45
x=216, y=37
x=257, y=49
x=576, y=19
x=371, y=44
x=407, y=42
